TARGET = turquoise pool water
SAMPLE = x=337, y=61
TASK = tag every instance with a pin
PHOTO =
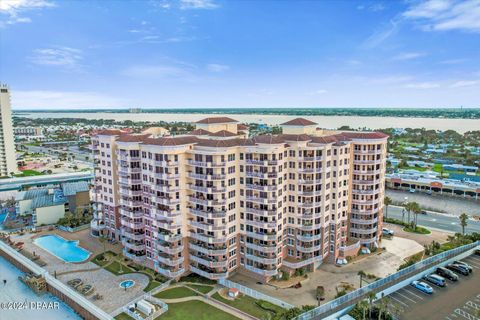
x=127, y=284
x=67, y=250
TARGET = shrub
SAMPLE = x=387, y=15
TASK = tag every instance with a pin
x=267, y=306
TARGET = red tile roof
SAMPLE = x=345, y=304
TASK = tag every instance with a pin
x=365, y=135
x=299, y=122
x=241, y=126
x=110, y=132
x=200, y=132
x=213, y=120
x=223, y=133
x=133, y=137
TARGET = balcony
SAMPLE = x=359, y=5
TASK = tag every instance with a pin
x=127, y=181
x=366, y=181
x=261, y=212
x=163, y=247
x=159, y=163
x=207, y=238
x=262, y=175
x=310, y=158
x=309, y=181
x=209, y=275
x=209, y=262
x=131, y=203
x=136, y=246
x=203, y=164
x=208, y=214
x=309, y=237
x=262, y=247
x=168, y=236
x=207, y=177
x=207, y=189
x=263, y=272
x=97, y=225
x=165, y=200
x=366, y=191
x=262, y=224
x=168, y=272
x=211, y=251
x=169, y=261
x=308, y=249
x=262, y=236
x=364, y=221
x=164, y=214
x=379, y=151
x=129, y=170
x=368, y=231
x=261, y=187
x=165, y=188
x=370, y=202
x=259, y=259
x=134, y=257
x=133, y=236
x=206, y=226
x=132, y=224
x=130, y=193
x=369, y=172
x=310, y=193
x=166, y=176
x=207, y=202
x=365, y=211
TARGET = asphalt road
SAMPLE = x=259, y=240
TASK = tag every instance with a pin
x=436, y=221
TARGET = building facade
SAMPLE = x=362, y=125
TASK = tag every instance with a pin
x=8, y=163
x=215, y=201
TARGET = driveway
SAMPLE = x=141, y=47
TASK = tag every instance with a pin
x=330, y=276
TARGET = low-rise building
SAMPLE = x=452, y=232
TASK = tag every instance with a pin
x=48, y=205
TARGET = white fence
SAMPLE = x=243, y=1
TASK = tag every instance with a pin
x=319, y=312
x=254, y=293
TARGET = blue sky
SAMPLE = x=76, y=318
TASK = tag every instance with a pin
x=208, y=53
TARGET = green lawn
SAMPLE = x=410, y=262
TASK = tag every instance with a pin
x=98, y=258
x=420, y=230
x=114, y=268
x=248, y=304
x=202, y=289
x=123, y=316
x=174, y=293
x=194, y=310
x=28, y=173
x=152, y=285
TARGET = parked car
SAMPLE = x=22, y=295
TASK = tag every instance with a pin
x=435, y=279
x=477, y=252
x=458, y=268
x=444, y=272
x=423, y=212
x=469, y=267
x=388, y=232
x=422, y=286
x=411, y=190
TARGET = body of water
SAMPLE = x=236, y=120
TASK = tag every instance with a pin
x=45, y=306
x=329, y=122
x=67, y=250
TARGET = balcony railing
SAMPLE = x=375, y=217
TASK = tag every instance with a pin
x=208, y=214
x=263, y=260
x=207, y=238
x=211, y=263
x=262, y=248
x=263, y=272
x=204, y=164
x=169, y=261
x=209, y=275
x=262, y=236
x=207, y=202
x=261, y=212
x=208, y=250
x=261, y=187
x=207, y=227
x=301, y=263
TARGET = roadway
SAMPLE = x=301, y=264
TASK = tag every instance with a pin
x=435, y=220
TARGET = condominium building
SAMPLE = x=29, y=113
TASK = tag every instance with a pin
x=216, y=201
x=8, y=163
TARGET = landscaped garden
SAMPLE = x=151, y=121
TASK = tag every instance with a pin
x=194, y=310
x=257, y=308
x=175, y=293
x=118, y=265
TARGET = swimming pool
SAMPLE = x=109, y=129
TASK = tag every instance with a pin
x=67, y=250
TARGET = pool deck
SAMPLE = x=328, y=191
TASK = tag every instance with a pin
x=105, y=282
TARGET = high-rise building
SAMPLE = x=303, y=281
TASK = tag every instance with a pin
x=8, y=163
x=215, y=201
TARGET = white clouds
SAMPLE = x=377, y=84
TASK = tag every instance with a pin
x=197, y=4
x=464, y=83
x=66, y=57
x=409, y=56
x=64, y=100
x=422, y=85
x=443, y=15
x=381, y=35
x=13, y=8
x=214, y=67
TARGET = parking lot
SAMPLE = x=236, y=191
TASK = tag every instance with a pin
x=457, y=301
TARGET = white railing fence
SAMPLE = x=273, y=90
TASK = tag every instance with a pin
x=254, y=293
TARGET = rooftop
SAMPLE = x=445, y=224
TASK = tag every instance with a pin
x=213, y=120
x=299, y=122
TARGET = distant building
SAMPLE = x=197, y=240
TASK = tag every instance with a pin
x=28, y=133
x=48, y=205
x=8, y=163
x=460, y=167
x=135, y=110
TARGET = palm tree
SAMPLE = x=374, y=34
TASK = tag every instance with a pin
x=463, y=221
x=416, y=211
x=371, y=298
x=362, y=274
x=387, y=201
x=363, y=305
x=411, y=206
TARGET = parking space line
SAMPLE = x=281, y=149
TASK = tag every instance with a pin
x=406, y=305
x=406, y=297
x=474, y=258
x=421, y=298
x=448, y=318
x=474, y=264
x=465, y=314
x=473, y=305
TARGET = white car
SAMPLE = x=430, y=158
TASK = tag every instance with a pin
x=388, y=232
